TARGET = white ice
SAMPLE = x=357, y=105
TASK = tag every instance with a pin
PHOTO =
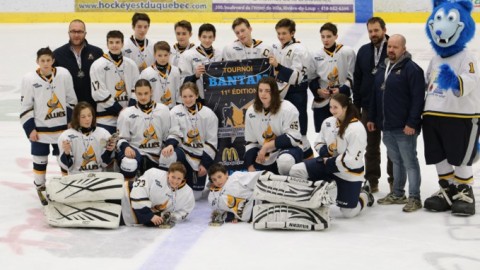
x=382, y=237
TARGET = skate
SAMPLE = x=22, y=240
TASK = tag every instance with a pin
x=218, y=219
x=41, y=196
x=464, y=201
x=441, y=200
x=366, y=189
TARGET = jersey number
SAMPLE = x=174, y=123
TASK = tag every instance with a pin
x=472, y=70
x=95, y=85
x=139, y=183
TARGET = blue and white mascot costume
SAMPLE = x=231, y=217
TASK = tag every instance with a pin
x=452, y=107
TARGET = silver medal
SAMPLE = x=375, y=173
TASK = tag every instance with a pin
x=80, y=74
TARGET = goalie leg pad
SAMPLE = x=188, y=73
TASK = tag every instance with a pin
x=284, y=217
x=85, y=187
x=269, y=176
x=83, y=214
x=294, y=194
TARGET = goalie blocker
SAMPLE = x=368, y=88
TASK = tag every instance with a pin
x=285, y=217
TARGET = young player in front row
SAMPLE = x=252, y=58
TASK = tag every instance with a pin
x=340, y=145
x=291, y=61
x=156, y=196
x=183, y=33
x=142, y=130
x=138, y=47
x=192, y=62
x=164, y=78
x=85, y=147
x=333, y=68
x=113, y=79
x=272, y=132
x=192, y=139
x=46, y=107
x=245, y=47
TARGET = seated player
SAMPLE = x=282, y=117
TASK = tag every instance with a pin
x=156, y=193
x=272, y=131
x=340, y=145
x=142, y=130
x=85, y=147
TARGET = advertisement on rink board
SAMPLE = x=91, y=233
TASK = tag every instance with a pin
x=230, y=89
x=410, y=5
x=344, y=6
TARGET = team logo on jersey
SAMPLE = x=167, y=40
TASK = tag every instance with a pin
x=234, y=116
x=166, y=98
x=128, y=51
x=160, y=207
x=433, y=87
x=332, y=77
x=37, y=85
x=150, y=138
x=89, y=161
x=230, y=157
x=55, y=108
x=236, y=204
x=194, y=139
x=121, y=91
x=268, y=134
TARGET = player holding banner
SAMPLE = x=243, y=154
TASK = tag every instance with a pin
x=245, y=47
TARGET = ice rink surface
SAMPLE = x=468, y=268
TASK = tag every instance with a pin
x=382, y=237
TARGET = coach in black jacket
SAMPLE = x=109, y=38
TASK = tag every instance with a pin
x=77, y=56
x=369, y=57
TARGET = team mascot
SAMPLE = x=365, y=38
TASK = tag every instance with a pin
x=452, y=107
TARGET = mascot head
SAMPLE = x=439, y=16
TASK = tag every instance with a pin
x=450, y=26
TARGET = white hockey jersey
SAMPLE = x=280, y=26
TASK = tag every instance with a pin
x=176, y=52
x=45, y=102
x=113, y=86
x=86, y=150
x=348, y=151
x=333, y=69
x=142, y=55
x=144, y=131
x=442, y=102
x=196, y=132
x=190, y=59
x=236, y=196
x=293, y=56
x=152, y=190
x=238, y=51
x=165, y=86
x=261, y=128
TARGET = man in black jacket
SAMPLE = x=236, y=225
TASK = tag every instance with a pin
x=369, y=57
x=396, y=107
x=77, y=56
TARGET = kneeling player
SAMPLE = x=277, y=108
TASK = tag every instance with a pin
x=142, y=129
x=85, y=147
x=272, y=131
x=340, y=144
x=158, y=197
x=233, y=197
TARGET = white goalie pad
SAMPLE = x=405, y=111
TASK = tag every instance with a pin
x=85, y=187
x=83, y=214
x=296, y=194
x=269, y=176
x=285, y=217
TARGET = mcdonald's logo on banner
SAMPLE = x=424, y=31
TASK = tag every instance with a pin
x=230, y=157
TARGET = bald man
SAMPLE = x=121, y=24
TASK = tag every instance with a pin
x=396, y=108
x=77, y=56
